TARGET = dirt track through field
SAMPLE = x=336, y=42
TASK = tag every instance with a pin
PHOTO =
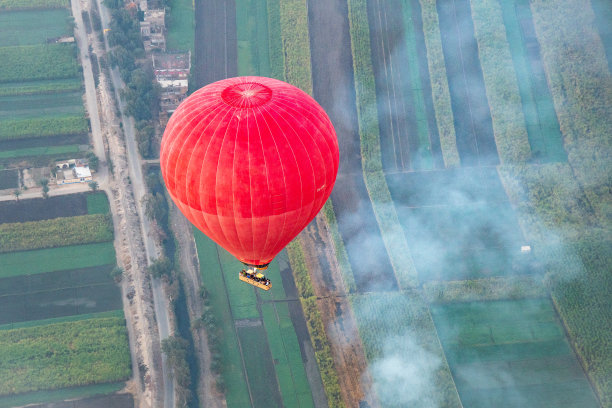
x=473, y=125
x=333, y=87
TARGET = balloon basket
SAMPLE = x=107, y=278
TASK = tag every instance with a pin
x=254, y=278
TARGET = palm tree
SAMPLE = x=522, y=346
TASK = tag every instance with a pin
x=44, y=183
x=17, y=193
x=93, y=185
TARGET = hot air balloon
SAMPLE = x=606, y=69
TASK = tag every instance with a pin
x=250, y=161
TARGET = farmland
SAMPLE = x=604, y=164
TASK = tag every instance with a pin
x=20, y=28
x=62, y=330
x=9, y=179
x=506, y=353
x=180, y=23
x=253, y=334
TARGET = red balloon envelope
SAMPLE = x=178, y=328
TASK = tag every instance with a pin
x=250, y=161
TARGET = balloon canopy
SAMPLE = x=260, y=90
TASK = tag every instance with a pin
x=250, y=161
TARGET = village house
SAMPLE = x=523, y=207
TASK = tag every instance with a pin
x=172, y=73
x=72, y=171
x=153, y=30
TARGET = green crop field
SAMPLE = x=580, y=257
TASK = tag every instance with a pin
x=180, y=22
x=504, y=353
x=244, y=341
x=9, y=179
x=57, y=232
x=42, y=86
x=63, y=355
x=58, y=151
x=31, y=62
x=259, y=367
x=62, y=394
x=236, y=392
x=61, y=124
x=54, y=259
x=32, y=4
x=285, y=349
x=252, y=27
x=41, y=105
x=63, y=319
x=33, y=26
x=97, y=203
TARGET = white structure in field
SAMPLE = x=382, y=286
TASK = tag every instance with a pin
x=73, y=171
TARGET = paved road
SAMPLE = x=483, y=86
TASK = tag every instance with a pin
x=137, y=179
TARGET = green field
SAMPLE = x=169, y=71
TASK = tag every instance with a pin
x=42, y=86
x=97, y=203
x=57, y=232
x=33, y=62
x=55, y=259
x=33, y=26
x=259, y=367
x=180, y=22
x=505, y=353
x=59, y=151
x=64, y=355
x=59, y=395
x=60, y=124
x=272, y=347
x=540, y=116
x=73, y=318
x=252, y=32
x=41, y=105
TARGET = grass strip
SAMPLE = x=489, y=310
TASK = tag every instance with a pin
x=56, y=232
x=501, y=85
x=55, y=259
x=275, y=41
x=384, y=209
x=439, y=84
x=97, y=203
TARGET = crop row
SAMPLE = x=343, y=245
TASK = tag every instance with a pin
x=501, y=84
x=439, y=83
x=339, y=248
x=296, y=45
x=275, y=41
x=396, y=328
x=581, y=285
x=384, y=210
x=581, y=86
x=84, y=229
x=33, y=4
x=63, y=355
x=42, y=126
x=40, y=87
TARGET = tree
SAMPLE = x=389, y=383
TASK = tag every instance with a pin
x=93, y=161
x=44, y=183
x=93, y=185
x=161, y=267
x=156, y=208
x=17, y=193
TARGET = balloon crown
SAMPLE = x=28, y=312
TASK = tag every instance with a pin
x=246, y=95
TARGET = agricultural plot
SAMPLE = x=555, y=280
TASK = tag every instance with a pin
x=63, y=355
x=37, y=209
x=180, y=24
x=459, y=223
x=405, y=359
x=33, y=4
x=473, y=126
x=68, y=395
x=40, y=105
x=256, y=335
x=9, y=179
x=509, y=354
x=408, y=130
x=542, y=126
x=38, y=62
x=252, y=32
x=33, y=27
x=43, y=86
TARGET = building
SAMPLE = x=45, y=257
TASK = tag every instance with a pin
x=153, y=30
x=72, y=171
x=172, y=73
